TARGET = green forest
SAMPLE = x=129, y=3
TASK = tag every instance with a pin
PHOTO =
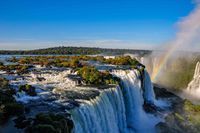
x=73, y=51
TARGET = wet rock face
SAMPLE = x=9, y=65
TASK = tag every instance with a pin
x=45, y=122
x=150, y=108
x=21, y=122
x=184, y=116
x=176, y=123
x=161, y=92
x=164, y=128
x=82, y=94
x=76, y=78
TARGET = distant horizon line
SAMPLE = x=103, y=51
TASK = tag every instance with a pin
x=155, y=50
x=73, y=47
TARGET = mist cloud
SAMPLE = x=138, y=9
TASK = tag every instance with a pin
x=188, y=35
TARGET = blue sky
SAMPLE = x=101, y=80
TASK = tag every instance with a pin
x=32, y=24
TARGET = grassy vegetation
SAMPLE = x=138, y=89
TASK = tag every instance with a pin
x=185, y=118
x=18, y=68
x=192, y=113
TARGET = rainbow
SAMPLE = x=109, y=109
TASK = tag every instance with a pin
x=163, y=60
x=188, y=30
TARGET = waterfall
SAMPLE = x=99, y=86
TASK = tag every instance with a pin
x=131, y=88
x=193, y=88
x=197, y=70
x=105, y=114
x=118, y=110
x=148, y=89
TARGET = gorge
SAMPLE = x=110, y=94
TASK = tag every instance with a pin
x=102, y=96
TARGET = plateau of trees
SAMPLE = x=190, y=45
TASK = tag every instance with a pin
x=91, y=75
x=73, y=51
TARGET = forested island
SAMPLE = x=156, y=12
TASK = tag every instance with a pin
x=73, y=51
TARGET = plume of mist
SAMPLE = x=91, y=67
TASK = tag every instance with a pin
x=184, y=44
x=187, y=38
x=188, y=35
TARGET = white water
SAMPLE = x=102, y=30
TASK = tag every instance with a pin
x=24, y=98
x=148, y=88
x=55, y=82
x=105, y=114
x=118, y=110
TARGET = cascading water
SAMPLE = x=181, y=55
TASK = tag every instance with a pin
x=193, y=88
x=120, y=109
x=197, y=70
x=148, y=89
x=105, y=114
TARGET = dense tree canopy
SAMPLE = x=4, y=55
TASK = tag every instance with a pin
x=73, y=51
x=92, y=76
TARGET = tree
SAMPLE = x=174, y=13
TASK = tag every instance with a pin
x=90, y=74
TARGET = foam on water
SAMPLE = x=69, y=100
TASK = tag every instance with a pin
x=24, y=98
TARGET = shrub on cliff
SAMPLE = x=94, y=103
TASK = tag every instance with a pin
x=92, y=76
x=8, y=105
x=18, y=68
x=4, y=84
x=30, y=90
x=74, y=63
x=8, y=109
x=13, y=109
x=122, y=60
x=6, y=97
x=5, y=91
